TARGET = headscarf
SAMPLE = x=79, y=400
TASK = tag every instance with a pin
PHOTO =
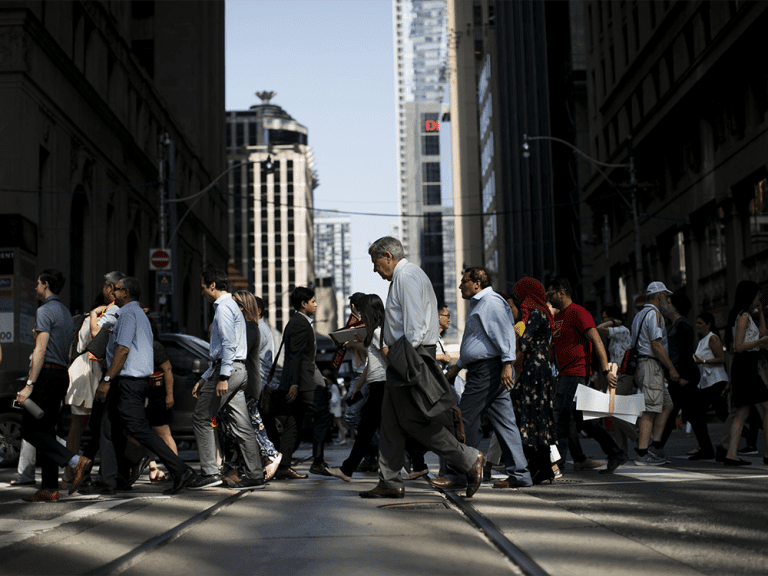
x=533, y=295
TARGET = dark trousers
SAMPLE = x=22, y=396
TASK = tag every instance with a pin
x=48, y=393
x=416, y=452
x=566, y=418
x=370, y=419
x=125, y=415
x=686, y=399
x=311, y=404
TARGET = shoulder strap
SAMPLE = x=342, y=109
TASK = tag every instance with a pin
x=637, y=336
x=274, y=362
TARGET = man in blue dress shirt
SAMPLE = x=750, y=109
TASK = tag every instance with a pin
x=224, y=384
x=130, y=357
x=488, y=352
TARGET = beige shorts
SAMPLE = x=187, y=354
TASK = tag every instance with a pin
x=649, y=378
x=78, y=411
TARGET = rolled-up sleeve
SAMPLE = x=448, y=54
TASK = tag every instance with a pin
x=225, y=321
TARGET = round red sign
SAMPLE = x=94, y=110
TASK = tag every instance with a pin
x=160, y=259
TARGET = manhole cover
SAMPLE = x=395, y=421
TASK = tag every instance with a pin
x=417, y=505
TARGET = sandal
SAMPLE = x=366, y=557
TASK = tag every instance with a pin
x=156, y=475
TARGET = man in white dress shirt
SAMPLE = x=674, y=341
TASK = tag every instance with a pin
x=411, y=311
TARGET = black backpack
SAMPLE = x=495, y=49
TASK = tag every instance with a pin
x=77, y=324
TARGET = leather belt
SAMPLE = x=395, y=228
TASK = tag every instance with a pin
x=218, y=361
x=54, y=366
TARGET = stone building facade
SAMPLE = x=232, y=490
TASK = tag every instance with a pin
x=87, y=90
x=681, y=79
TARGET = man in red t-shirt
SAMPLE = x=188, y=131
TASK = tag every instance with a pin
x=574, y=337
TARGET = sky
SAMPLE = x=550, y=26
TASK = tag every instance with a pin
x=331, y=65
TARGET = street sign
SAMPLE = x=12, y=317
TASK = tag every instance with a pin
x=159, y=259
x=165, y=283
x=640, y=302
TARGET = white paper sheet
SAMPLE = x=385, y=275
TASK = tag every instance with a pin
x=594, y=404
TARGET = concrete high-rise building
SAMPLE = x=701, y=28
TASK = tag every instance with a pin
x=333, y=255
x=92, y=95
x=420, y=69
x=513, y=72
x=271, y=184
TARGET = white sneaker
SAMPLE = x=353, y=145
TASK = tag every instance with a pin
x=650, y=459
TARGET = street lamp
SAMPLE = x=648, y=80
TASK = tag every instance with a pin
x=630, y=166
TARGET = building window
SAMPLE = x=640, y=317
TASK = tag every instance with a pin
x=712, y=256
x=430, y=145
x=239, y=131
x=432, y=194
x=228, y=137
x=756, y=238
x=431, y=171
x=252, y=134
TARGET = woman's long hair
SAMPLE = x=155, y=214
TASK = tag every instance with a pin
x=247, y=302
x=372, y=311
x=745, y=295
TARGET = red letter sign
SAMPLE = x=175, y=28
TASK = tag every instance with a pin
x=432, y=126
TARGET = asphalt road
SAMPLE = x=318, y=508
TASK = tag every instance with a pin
x=680, y=519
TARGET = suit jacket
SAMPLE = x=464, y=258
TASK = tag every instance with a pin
x=300, y=351
x=418, y=369
x=252, y=362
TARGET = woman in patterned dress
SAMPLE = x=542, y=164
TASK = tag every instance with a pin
x=535, y=391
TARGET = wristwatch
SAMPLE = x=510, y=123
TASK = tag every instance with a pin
x=31, y=383
x=107, y=379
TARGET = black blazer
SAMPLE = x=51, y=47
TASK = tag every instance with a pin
x=300, y=350
x=252, y=363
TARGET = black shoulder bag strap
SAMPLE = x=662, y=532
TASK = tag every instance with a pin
x=274, y=362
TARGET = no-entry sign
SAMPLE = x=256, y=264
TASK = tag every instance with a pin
x=159, y=259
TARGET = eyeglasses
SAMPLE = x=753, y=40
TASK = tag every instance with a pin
x=445, y=315
x=121, y=289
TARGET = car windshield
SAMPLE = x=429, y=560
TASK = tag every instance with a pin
x=196, y=345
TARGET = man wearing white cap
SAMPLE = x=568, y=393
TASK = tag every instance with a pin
x=651, y=334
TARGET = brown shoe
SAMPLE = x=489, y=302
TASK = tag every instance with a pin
x=320, y=468
x=475, y=475
x=42, y=496
x=339, y=474
x=80, y=471
x=588, y=464
x=444, y=483
x=379, y=492
x=290, y=474
x=416, y=474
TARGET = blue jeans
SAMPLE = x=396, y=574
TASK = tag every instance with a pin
x=566, y=418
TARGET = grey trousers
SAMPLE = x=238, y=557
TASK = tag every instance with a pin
x=484, y=394
x=400, y=419
x=208, y=406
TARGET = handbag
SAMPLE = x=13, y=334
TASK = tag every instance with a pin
x=632, y=356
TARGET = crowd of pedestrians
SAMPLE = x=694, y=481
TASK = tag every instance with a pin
x=522, y=359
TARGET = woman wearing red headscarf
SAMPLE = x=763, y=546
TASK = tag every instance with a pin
x=535, y=392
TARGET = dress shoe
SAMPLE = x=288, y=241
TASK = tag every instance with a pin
x=720, y=454
x=137, y=470
x=249, y=484
x=512, y=482
x=738, y=462
x=379, y=492
x=475, y=475
x=80, y=471
x=614, y=463
x=365, y=467
x=444, y=483
x=337, y=473
x=42, y=496
x=23, y=482
x=271, y=469
x=290, y=474
x=180, y=482
x=320, y=468
x=413, y=475
x=702, y=455
x=98, y=490
x=588, y=464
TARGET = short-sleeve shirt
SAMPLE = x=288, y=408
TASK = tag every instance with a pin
x=54, y=319
x=619, y=341
x=572, y=348
x=134, y=332
x=109, y=316
x=652, y=329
